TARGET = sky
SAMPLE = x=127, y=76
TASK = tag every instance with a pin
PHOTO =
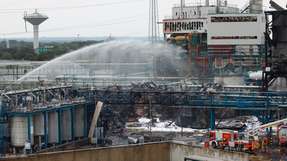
x=87, y=18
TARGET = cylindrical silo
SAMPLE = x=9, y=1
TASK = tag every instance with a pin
x=19, y=131
x=66, y=125
x=53, y=128
x=79, y=122
x=38, y=125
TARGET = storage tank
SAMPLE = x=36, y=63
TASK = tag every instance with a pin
x=53, y=128
x=19, y=131
x=66, y=125
x=38, y=125
x=79, y=122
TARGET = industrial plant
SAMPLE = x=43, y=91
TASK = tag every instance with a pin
x=213, y=87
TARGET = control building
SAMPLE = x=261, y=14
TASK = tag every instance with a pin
x=220, y=39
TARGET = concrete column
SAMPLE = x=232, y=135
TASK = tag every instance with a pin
x=36, y=36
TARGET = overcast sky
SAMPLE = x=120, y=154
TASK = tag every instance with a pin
x=87, y=18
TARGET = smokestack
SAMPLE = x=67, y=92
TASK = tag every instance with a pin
x=225, y=3
x=217, y=6
x=256, y=6
x=218, y=3
x=182, y=4
x=206, y=3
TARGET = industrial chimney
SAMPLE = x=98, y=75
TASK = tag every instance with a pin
x=35, y=19
x=217, y=6
x=256, y=6
x=182, y=4
x=206, y=3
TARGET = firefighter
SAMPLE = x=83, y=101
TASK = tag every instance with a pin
x=264, y=144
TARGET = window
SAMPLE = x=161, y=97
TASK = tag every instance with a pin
x=183, y=26
x=233, y=37
x=188, y=159
x=234, y=19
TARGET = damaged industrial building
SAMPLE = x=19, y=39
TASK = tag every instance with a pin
x=214, y=89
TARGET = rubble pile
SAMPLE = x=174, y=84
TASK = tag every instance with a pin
x=157, y=125
x=241, y=123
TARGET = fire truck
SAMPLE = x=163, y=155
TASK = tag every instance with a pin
x=282, y=134
x=251, y=140
x=232, y=140
x=280, y=127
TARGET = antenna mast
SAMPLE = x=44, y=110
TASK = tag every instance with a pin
x=25, y=21
x=153, y=19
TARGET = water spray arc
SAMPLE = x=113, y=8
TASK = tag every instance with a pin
x=113, y=61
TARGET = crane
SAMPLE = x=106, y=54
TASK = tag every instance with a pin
x=271, y=124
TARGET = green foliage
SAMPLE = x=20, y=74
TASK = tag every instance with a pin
x=21, y=50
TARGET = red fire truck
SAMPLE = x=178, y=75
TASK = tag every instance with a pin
x=282, y=134
x=230, y=140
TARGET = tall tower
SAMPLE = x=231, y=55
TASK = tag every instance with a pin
x=153, y=19
x=218, y=6
x=207, y=3
x=35, y=19
x=182, y=5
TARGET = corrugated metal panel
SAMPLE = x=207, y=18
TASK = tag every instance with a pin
x=38, y=124
x=79, y=122
x=53, y=128
x=66, y=126
x=19, y=131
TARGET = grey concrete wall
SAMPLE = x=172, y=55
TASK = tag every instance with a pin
x=179, y=152
x=144, y=152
